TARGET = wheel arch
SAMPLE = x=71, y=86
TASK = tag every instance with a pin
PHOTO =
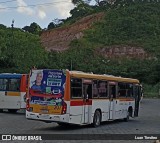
x=98, y=109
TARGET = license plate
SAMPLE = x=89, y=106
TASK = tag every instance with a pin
x=44, y=111
x=45, y=116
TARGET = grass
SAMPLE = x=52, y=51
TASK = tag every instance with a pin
x=151, y=95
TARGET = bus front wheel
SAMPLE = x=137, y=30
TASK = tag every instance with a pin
x=97, y=118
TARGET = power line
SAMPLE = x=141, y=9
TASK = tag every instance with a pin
x=8, y=1
x=43, y=4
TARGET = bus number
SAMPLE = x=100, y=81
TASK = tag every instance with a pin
x=57, y=107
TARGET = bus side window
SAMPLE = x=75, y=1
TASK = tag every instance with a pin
x=102, y=88
x=95, y=89
x=112, y=90
x=76, y=88
x=121, y=92
x=89, y=91
x=129, y=90
x=125, y=89
x=87, y=88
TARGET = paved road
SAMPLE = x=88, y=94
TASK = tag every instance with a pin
x=148, y=122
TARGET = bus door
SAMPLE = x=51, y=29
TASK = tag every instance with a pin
x=87, y=95
x=76, y=102
x=137, y=95
x=112, y=99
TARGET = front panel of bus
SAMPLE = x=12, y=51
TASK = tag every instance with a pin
x=45, y=97
x=10, y=91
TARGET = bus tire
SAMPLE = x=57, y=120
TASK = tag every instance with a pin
x=97, y=118
x=12, y=110
x=63, y=124
x=1, y=110
x=127, y=118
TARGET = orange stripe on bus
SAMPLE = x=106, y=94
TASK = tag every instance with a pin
x=23, y=86
x=13, y=94
x=67, y=87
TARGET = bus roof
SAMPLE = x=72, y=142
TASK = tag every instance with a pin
x=10, y=75
x=80, y=74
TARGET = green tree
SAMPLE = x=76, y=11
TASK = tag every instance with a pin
x=2, y=26
x=78, y=2
x=81, y=10
x=51, y=25
x=34, y=28
x=19, y=51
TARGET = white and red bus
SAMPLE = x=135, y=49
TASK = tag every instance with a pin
x=13, y=91
x=80, y=98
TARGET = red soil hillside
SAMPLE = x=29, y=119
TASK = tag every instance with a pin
x=123, y=51
x=59, y=39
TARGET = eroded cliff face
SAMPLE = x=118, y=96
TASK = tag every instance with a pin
x=59, y=39
x=123, y=51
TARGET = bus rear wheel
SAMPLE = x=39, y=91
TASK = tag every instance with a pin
x=12, y=110
x=97, y=118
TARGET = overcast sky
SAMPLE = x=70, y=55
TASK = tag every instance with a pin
x=24, y=14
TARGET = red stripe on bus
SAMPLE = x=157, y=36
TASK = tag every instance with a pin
x=126, y=99
x=80, y=103
x=39, y=94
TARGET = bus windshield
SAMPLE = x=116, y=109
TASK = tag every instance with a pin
x=10, y=82
x=47, y=87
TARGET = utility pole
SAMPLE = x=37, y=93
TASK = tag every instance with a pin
x=12, y=25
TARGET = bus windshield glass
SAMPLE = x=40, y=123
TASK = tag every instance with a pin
x=10, y=82
x=47, y=87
